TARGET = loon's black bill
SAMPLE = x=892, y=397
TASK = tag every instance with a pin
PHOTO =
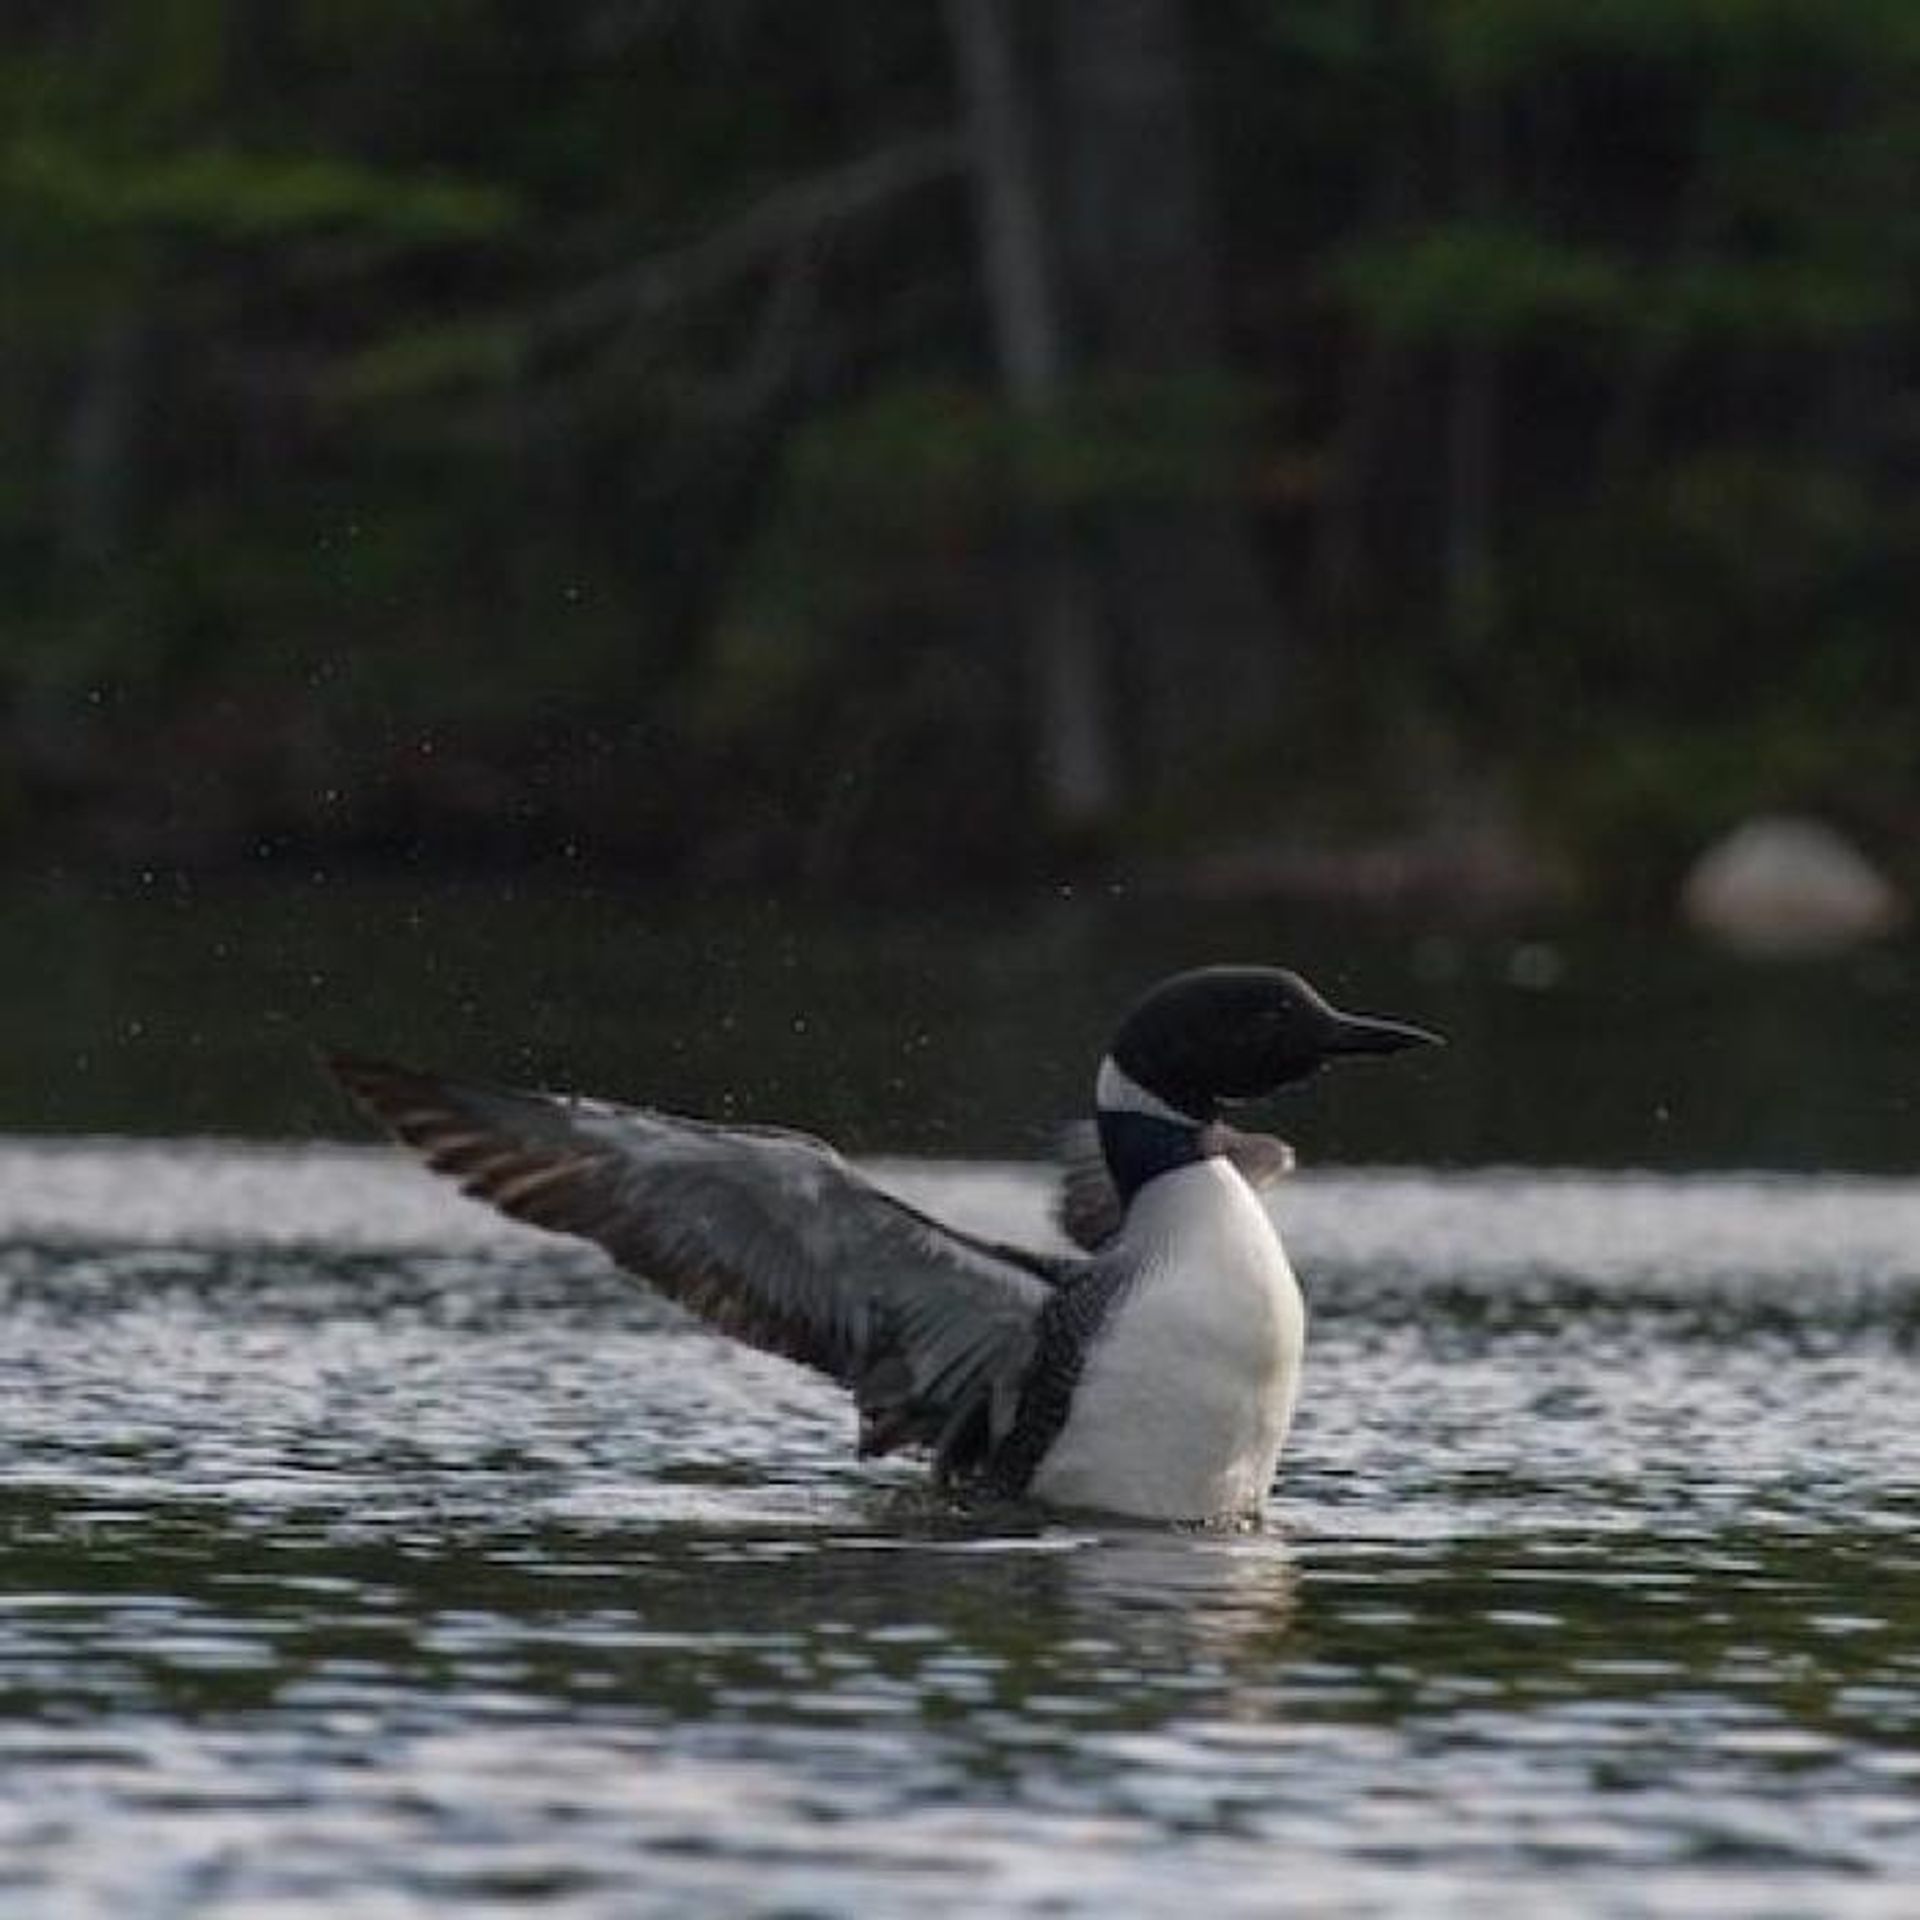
x=1355, y=1033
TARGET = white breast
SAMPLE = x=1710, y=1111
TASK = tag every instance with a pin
x=1188, y=1389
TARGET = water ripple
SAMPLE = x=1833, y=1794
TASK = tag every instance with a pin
x=362, y=1557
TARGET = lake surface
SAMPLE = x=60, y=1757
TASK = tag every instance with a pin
x=178, y=1006
x=365, y=1556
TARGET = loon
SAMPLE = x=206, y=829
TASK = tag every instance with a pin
x=1151, y=1377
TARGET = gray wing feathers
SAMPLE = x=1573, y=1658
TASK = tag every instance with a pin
x=768, y=1235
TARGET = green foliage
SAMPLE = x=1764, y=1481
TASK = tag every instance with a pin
x=1493, y=42
x=427, y=360
x=1717, y=642
x=1481, y=280
x=375, y=372
x=230, y=195
x=880, y=506
x=915, y=453
x=1488, y=281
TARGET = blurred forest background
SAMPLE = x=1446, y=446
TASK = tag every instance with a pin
x=1460, y=445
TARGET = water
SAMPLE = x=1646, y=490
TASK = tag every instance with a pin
x=187, y=1008
x=364, y=1555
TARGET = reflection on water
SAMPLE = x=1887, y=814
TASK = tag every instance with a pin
x=184, y=1008
x=363, y=1555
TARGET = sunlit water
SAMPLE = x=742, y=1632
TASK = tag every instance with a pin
x=365, y=1556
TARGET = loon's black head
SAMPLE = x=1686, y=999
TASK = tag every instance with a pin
x=1231, y=1033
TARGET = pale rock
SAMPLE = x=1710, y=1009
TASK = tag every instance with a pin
x=1784, y=885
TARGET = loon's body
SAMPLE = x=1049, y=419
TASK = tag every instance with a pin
x=1187, y=1388
x=1154, y=1376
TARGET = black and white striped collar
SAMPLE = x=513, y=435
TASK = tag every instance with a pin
x=1142, y=1135
x=1117, y=1091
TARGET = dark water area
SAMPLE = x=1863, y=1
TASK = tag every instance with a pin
x=173, y=1006
x=363, y=1555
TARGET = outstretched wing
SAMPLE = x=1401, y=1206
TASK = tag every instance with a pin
x=768, y=1235
x=1087, y=1204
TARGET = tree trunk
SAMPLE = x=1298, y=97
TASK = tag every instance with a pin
x=1473, y=405
x=1076, y=762
x=100, y=452
x=1203, y=636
